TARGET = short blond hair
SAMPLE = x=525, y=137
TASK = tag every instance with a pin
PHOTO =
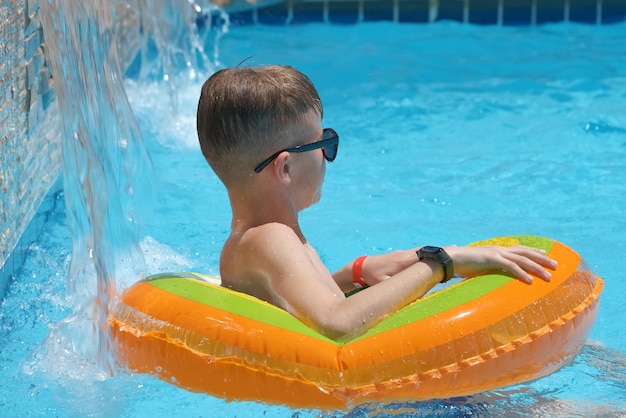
x=243, y=113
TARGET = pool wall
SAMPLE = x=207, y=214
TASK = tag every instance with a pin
x=29, y=133
x=498, y=12
x=30, y=126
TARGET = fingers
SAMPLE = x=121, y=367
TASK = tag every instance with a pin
x=526, y=262
x=519, y=273
x=520, y=262
x=538, y=256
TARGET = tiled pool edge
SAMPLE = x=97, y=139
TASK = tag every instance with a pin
x=483, y=12
x=15, y=261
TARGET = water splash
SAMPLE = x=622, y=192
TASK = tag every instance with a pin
x=173, y=39
x=103, y=155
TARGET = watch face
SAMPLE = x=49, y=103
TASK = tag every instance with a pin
x=431, y=249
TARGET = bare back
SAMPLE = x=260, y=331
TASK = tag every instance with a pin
x=272, y=263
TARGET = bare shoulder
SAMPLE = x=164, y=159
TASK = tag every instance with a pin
x=270, y=233
x=252, y=259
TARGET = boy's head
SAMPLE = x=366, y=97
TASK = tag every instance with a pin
x=246, y=114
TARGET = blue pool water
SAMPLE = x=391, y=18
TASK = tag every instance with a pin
x=449, y=134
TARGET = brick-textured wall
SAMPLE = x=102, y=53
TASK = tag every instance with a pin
x=29, y=129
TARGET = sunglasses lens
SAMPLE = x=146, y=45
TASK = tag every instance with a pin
x=329, y=133
x=330, y=152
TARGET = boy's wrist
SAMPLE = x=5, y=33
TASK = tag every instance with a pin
x=436, y=268
x=440, y=256
x=357, y=272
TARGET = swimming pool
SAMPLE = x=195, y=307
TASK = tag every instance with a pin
x=448, y=135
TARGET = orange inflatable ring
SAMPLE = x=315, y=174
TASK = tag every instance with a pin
x=476, y=335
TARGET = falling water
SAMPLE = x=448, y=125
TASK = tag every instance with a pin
x=171, y=48
x=103, y=154
x=105, y=162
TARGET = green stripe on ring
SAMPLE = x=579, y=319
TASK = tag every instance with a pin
x=439, y=302
x=189, y=286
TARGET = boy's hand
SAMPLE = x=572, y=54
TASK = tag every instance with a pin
x=518, y=261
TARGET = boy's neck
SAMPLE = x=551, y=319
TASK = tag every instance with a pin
x=255, y=209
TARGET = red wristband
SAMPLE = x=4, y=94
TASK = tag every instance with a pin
x=357, y=272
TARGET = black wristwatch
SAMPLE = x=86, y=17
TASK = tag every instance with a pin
x=439, y=255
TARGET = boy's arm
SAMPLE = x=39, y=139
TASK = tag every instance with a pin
x=376, y=268
x=298, y=282
x=469, y=262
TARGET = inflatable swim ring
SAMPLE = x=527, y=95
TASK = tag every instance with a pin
x=476, y=335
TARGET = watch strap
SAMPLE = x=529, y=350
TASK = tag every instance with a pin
x=441, y=256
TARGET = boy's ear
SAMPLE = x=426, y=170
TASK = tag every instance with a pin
x=282, y=167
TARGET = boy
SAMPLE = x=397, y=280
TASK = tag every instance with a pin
x=260, y=130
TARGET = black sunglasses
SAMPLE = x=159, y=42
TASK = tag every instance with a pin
x=329, y=145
